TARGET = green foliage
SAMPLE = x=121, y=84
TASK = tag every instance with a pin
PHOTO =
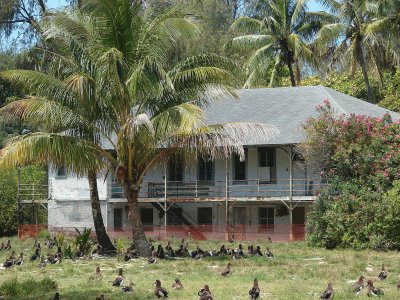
x=120, y=248
x=67, y=250
x=13, y=287
x=359, y=157
x=60, y=240
x=83, y=241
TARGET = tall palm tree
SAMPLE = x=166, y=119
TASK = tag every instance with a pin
x=146, y=112
x=279, y=34
x=347, y=38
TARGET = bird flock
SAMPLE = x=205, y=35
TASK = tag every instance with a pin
x=181, y=252
x=359, y=286
x=157, y=253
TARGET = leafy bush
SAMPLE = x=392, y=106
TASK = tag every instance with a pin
x=359, y=157
x=84, y=242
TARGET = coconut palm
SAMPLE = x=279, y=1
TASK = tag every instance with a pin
x=145, y=112
x=279, y=35
x=348, y=39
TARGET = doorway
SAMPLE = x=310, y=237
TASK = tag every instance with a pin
x=299, y=215
x=117, y=217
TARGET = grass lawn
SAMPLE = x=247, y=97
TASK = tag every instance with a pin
x=296, y=272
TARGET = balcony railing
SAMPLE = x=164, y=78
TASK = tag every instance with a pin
x=250, y=188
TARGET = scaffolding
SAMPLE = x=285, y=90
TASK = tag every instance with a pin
x=31, y=196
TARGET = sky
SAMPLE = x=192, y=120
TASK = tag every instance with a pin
x=313, y=5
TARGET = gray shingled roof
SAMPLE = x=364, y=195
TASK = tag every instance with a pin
x=287, y=108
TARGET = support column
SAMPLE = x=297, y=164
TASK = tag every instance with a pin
x=165, y=200
x=291, y=194
x=226, y=201
x=19, y=200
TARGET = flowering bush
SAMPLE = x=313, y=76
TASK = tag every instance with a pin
x=360, y=158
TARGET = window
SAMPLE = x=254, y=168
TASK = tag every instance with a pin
x=175, y=168
x=204, y=215
x=146, y=216
x=239, y=169
x=205, y=169
x=266, y=218
x=61, y=172
x=267, y=165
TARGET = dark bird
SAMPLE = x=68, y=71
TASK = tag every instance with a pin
x=227, y=271
x=254, y=291
x=8, y=245
x=42, y=263
x=268, y=253
x=120, y=278
x=153, y=258
x=177, y=285
x=97, y=275
x=159, y=291
x=359, y=285
x=160, y=252
x=36, y=255
x=328, y=293
x=205, y=293
x=373, y=291
x=10, y=261
x=382, y=274
x=129, y=288
x=56, y=296
x=20, y=259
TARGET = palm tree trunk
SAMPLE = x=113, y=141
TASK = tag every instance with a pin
x=289, y=62
x=361, y=61
x=291, y=74
x=101, y=233
x=142, y=246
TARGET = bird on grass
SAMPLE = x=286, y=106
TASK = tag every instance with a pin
x=328, y=293
x=227, y=271
x=383, y=273
x=42, y=263
x=255, y=290
x=8, y=245
x=268, y=253
x=373, y=291
x=205, y=293
x=120, y=278
x=36, y=255
x=2, y=246
x=56, y=296
x=128, y=288
x=20, y=259
x=177, y=285
x=153, y=258
x=269, y=240
x=159, y=291
x=359, y=285
x=10, y=261
x=97, y=275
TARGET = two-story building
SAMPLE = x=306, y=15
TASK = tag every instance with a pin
x=272, y=189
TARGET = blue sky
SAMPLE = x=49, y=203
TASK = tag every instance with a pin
x=313, y=5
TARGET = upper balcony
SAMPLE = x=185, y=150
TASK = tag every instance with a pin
x=237, y=190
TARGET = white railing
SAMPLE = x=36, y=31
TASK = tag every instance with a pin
x=220, y=188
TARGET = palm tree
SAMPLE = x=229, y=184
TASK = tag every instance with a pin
x=279, y=35
x=347, y=38
x=146, y=112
